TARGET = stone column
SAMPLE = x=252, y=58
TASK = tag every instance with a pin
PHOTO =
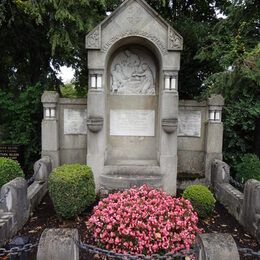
x=96, y=125
x=214, y=132
x=50, y=127
x=168, y=132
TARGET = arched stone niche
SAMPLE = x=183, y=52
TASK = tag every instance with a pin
x=133, y=60
x=132, y=107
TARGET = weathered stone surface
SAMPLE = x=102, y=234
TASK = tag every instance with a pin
x=216, y=247
x=215, y=100
x=251, y=208
x=36, y=192
x=16, y=202
x=231, y=198
x=220, y=172
x=58, y=244
x=133, y=72
x=191, y=162
x=50, y=97
x=183, y=184
x=42, y=169
x=7, y=229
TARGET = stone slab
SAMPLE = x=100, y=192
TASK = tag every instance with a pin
x=189, y=123
x=132, y=122
x=58, y=244
x=75, y=121
x=216, y=247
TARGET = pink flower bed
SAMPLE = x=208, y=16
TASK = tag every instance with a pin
x=144, y=221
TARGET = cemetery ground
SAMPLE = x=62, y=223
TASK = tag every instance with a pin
x=45, y=217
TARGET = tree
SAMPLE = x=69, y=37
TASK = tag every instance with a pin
x=36, y=38
x=235, y=46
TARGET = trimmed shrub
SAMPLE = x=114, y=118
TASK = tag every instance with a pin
x=72, y=189
x=9, y=170
x=248, y=169
x=144, y=221
x=201, y=199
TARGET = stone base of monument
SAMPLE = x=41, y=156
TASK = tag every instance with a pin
x=121, y=177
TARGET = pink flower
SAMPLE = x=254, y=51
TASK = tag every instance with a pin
x=144, y=221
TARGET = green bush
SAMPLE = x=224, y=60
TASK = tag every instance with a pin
x=201, y=199
x=9, y=170
x=71, y=188
x=249, y=168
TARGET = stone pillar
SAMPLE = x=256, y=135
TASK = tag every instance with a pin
x=168, y=132
x=58, y=244
x=16, y=202
x=251, y=208
x=216, y=247
x=96, y=144
x=50, y=127
x=214, y=132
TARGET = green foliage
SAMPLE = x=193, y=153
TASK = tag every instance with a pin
x=249, y=168
x=201, y=199
x=71, y=189
x=37, y=37
x=9, y=170
x=70, y=91
x=241, y=90
x=21, y=116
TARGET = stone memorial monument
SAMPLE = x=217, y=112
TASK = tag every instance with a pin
x=132, y=129
x=134, y=59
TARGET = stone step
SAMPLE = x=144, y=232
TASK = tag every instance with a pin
x=122, y=182
x=133, y=162
x=123, y=177
x=132, y=170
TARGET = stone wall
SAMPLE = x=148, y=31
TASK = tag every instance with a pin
x=199, y=136
x=73, y=146
x=191, y=149
x=18, y=200
x=64, y=129
x=245, y=207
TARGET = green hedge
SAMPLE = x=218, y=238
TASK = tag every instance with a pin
x=249, y=168
x=201, y=199
x=9, y=170
x=71, y=188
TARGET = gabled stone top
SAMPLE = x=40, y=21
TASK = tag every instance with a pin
x=50, y=97
x=134, y=18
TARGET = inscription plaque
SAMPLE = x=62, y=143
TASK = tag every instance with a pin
x=12, y=151
x=189, y=123
x=132, y=122
x=75, y=121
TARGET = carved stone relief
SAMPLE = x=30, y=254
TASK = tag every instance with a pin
x=93, y=39
x=132, y=73
x=134, y=16
x=130, y=33
x=174, y=40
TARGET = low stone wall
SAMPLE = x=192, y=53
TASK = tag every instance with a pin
x=245, y=207
x=60, y=244
x=18, y=200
